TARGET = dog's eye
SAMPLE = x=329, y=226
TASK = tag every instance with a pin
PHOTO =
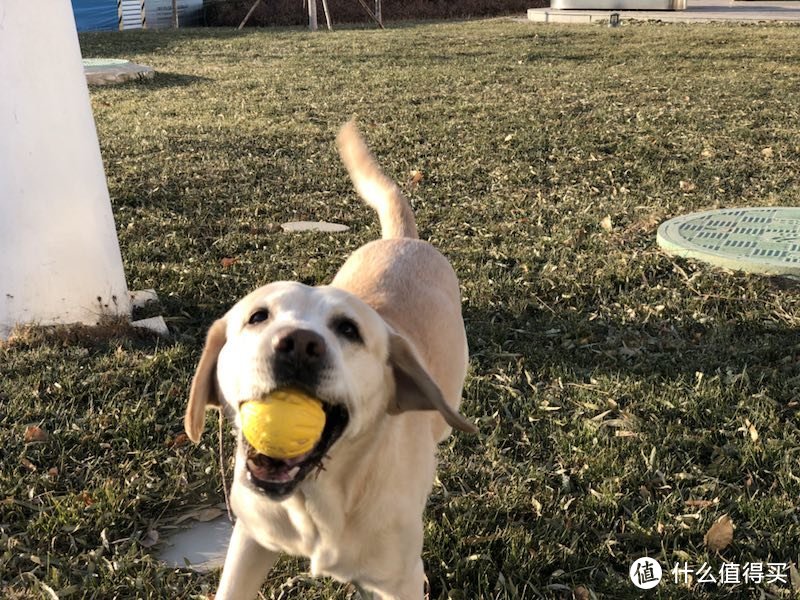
x=258, y=317
x=347, y=329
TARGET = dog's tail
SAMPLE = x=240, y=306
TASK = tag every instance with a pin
x=380, y=192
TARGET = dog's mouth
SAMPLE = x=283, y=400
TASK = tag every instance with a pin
x=278, y=478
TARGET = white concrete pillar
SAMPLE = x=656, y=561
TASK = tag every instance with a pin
x=59, y=255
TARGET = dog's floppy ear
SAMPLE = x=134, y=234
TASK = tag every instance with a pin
x=204, y=393
x=414, y=388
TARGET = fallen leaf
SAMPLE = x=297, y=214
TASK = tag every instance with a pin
x=606, y=223
x=581, y=593
x=699, y=503
x=720, y=535
x=414, y=177
x=751, y=429
x=228, y=262
x=35, y=434
x=623, y=433
x=207, y=514
x=686, y=186
x=179, y=440
x=52, y=471
x=707, y=153
x=767, y=152
x=794, y=577
x=203, y=515
x=87, y=499
x=27, y=464
x=49, y=592
x=150, y=539
x=537, y=506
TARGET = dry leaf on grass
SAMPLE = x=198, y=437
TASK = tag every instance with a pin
x=35, y=434
x=699, y=503
x=179, y=440
x=606, y=223
x=794, y=577
x=203, y=515
x=767, y=152
x=149, y=540
x=49, y=592
x=414, y=179
x=537, y=506
x=720, y=535
x=625, y=433
x=751, y=430
x=228, y=262
x=208, y=514
x=686, y=186
x=581, y=593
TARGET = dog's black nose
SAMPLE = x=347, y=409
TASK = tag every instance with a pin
x=298, y=357
x=299, y=346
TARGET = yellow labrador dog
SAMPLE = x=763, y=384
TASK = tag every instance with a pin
x=383, y=347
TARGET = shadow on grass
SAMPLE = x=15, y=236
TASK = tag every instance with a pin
x=665, y=349
x=164, y=79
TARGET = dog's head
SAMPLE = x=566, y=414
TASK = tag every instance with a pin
x=325, y=342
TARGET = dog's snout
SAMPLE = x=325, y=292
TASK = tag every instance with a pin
x=300, y=346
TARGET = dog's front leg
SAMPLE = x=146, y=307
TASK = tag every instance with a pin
x=410, y=587
x=246, y=566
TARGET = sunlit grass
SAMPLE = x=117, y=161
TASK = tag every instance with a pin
x=612, y=384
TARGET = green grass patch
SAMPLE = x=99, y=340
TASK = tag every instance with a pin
x=626, y=400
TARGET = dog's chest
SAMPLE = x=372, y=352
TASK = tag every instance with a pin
x=300, y=528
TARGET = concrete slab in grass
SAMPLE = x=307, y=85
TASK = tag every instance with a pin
x=314, y=226
x=108, y=71
x=155, y=324
x=201, y=547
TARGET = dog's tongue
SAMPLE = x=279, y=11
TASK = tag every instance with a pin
x=273, y=470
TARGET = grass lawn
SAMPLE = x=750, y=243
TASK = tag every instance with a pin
x=626, y=400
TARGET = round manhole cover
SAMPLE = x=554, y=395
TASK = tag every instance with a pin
x=756, y=240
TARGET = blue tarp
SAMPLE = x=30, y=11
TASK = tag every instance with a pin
x=95, y=15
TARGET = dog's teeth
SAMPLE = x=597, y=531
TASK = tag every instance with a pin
x=294, y=471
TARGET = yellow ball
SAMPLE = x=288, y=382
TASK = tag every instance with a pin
x=284, y=425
